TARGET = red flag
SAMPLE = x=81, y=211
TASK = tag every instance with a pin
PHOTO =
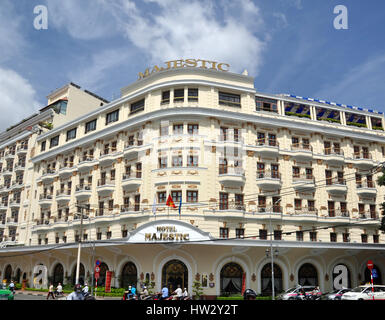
x=243, y=283
x=169, y=202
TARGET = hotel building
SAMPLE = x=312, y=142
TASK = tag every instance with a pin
x=248, y=172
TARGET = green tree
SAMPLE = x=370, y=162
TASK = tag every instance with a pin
x=197, y=289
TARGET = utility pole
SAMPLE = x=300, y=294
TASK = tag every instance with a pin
x=79, y=245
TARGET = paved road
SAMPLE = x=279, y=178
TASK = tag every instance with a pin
x=43, y=296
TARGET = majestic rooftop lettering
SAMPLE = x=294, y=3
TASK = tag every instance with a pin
x=189, y=63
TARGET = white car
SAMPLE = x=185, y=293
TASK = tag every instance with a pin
x=365, y=293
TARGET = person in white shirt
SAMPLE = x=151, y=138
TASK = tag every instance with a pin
x=59, y=289
x=178, y=292
x=185, y=293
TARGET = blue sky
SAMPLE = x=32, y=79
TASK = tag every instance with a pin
x=289, y=46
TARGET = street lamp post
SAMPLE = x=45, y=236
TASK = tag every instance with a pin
x=79, y=246
x=271, y=251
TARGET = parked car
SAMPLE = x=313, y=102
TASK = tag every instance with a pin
x=295, y=293
x=5, y=293
x=365, y=293
x=335, y=295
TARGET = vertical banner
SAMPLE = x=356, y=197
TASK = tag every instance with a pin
x=108, y=281
x=243, y=283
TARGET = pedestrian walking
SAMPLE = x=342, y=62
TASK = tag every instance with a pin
x=50, y=292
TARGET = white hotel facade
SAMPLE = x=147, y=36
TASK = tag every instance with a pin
x=249, y=170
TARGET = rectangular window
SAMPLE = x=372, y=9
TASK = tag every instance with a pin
x=239, y=233
x=192, y=161
x=277, y=234
x=193, y=128
x=376, y=238
x=176, y=196
x=345, y=237
x=299, y=235
x=177, y=128
x=229, y=99
x=177, y=161
x=192, y=95
x=333, y=237
x=223, y=201
x=165, y=97
x=90, y=126
x=162, y=162
x=178, y=95
x=162, y=197
x=164, y=130
x=313, y=236
x=224, y=233
x=54, y=142
x=139, y=170
x=262, y=234
x=192, y=196
x=137, y=202
x=264, y=104
x=137, y=106
x=364, y=238
x=71, y=134
x=112, y=117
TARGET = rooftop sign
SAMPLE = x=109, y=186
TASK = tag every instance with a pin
x=189, y=63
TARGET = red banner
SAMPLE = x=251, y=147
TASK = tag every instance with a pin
x=243, y=283
x=108, y=281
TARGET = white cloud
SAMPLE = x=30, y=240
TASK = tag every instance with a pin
x=17, y=98
x=170, y=29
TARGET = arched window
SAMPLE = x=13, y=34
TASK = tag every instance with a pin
x=266, y=279
x=129, y=275
x=18, y=275
x=8, y=273
x=231, y=279
x=307, y=275
x=174, y=273
x=58, y=274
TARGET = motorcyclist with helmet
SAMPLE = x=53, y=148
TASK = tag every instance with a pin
x=249, y=294
x=77, y=294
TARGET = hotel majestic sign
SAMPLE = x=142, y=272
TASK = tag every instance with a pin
x=166, y=231
x=187, y=63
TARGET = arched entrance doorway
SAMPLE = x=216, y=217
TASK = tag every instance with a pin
x=307, y=275
x=102, y=274
x=129, y=275
x=266, y=280
x=8, y=273
x=231, y=279
x=18, y=275
x=58, y=274
x=174, y=273
x=82, y=274
x=376, y=280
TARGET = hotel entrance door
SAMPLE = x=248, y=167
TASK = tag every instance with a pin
x=174, y=272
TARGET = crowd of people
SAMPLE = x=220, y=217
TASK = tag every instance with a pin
x=177, y=294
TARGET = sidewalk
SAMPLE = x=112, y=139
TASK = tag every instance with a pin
x=44, y=294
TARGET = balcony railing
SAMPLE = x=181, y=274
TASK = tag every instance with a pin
x=264, y=208
x=83, y=187
x=335, y=181
x=45, y=197
x=306, y=211
x=63, y=192
x=333, y=151
x=303, y=177
x=267, y=142
x=231, y=206
x=362, y=155
x=370, y=214
x=365, y=184
x=133, y=143
x=338, y=213
x=105, y=181
x=231, y=170
x=301, y=147
x=127, y=208
x=267, y=174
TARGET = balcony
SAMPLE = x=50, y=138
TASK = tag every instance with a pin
x=131, y=182
x=17, y=185
x=66, y=170
x=4, y=189
x=366, y=189
x=7, y=172
x=267, y=147
x=302, y=151
x=270, y=180
x=22, y=149
x=132, y=149
x=45, y=200
x=87, y=163
x=363, y=160
x=48, y=175
x=104, y=215
x=83, y=191
x=130, y=209
x=338, y=213
x=12, y=222
x=9, y=155
x=3, y=206
x=19, y=167
x=334, y=156
x=63, y=196
x=105, y=186
x=232, y=177
x=336, y=186
x=305, y=214
x=303, y=182
x=14, y=203
x=370, y=215
x=108, y=156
